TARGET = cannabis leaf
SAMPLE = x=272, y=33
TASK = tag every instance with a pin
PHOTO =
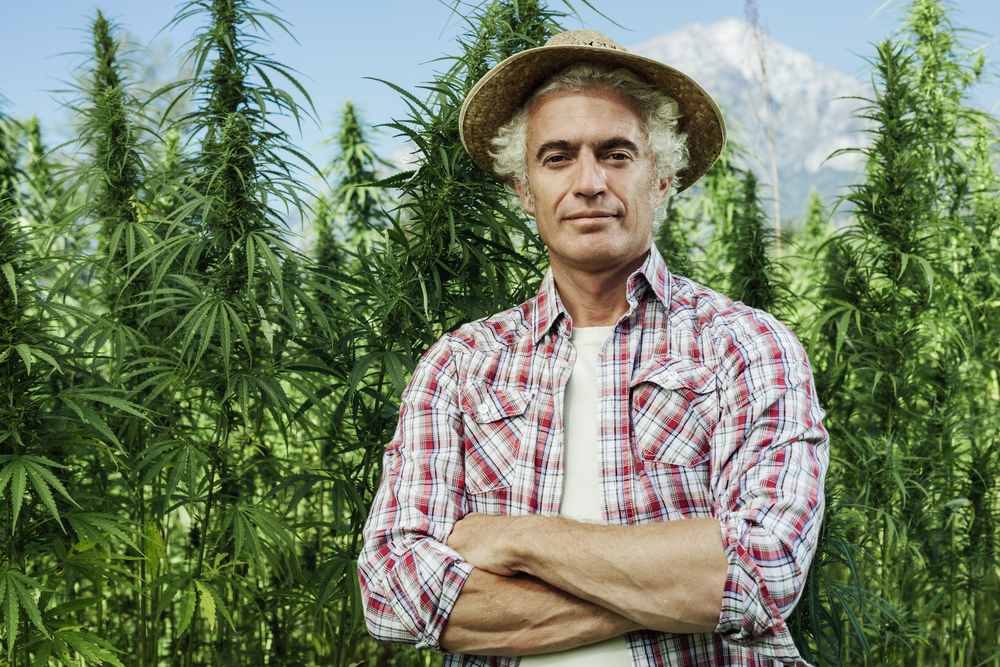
x=15, y=596
x=21, y=469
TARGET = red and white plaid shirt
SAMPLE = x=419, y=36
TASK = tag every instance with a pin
x=707, y=409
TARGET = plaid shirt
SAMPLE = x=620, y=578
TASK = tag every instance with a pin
x=707, y=409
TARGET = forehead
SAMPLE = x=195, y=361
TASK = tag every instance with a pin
x=584, y=116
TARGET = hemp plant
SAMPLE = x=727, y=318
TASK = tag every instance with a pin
x=48, y=530
x=901, y=367
x=706, y=212
x=89, y=318
x=962, y=558
x=673, y=239
x=43, y=198
x=752, y=279
x=8, y=161
x=877, y=317
x=113, y=194
x=805, y=265
x=352, y=216
x=346, y=223
x=236, y=292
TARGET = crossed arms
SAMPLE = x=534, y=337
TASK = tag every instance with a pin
x=548, y=584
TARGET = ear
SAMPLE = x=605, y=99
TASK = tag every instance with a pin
x=524, y=192
x=662, y=191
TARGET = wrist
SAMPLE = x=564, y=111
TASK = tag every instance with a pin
x=619, y=625
x=519, y=539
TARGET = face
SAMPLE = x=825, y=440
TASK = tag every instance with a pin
x=593, y=185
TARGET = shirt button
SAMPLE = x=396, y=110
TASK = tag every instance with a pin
x=484, y=409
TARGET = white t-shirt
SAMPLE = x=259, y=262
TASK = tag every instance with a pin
x=581, y=497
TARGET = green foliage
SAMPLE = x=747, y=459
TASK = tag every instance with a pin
x=752, y=280
x=8, y=161
x=352, y=216
x=193, y=410
x=911, y=398
x=673, y=239
x=695, y=238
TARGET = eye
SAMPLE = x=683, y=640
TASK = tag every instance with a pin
x=619, y=156
x=554, y=159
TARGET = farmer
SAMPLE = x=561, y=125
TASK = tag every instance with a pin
x=627, y=469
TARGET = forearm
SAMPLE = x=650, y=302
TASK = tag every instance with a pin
x=666, y=576
x=522, y=615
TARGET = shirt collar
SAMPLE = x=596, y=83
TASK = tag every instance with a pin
x=550, y=312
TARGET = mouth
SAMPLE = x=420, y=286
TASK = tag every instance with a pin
x=594, y=217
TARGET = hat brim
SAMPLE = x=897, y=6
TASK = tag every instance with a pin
x=496, y=97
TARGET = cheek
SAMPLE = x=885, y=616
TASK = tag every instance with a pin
x=543, y=232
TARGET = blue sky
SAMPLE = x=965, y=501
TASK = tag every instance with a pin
x=340, y=42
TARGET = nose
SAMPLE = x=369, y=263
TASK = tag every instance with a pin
x=590, y=177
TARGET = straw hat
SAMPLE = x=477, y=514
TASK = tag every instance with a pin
x=495, y=98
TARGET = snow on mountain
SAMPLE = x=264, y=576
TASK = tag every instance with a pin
x=810, y=105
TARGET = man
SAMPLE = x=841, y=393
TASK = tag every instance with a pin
x=627, y=469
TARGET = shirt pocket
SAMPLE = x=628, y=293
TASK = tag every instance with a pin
x=674, y=411
x=494, y=426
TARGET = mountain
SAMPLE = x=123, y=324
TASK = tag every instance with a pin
x=811, y=106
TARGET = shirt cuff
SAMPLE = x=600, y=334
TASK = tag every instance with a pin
x=422, y=598
x=749, y=616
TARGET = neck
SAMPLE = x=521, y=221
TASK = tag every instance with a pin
x=594, y=299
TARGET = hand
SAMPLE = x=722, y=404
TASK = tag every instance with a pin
x=484, y=541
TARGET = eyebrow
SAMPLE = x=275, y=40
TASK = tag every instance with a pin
x=599, y=147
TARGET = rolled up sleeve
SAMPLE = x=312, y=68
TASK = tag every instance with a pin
x=410, y=579
x=771, y=455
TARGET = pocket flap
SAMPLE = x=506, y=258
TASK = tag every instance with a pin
x=676, y=374
x=487, y=404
